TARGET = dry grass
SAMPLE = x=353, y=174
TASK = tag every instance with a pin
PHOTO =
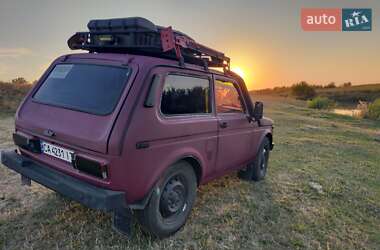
x=283, y=212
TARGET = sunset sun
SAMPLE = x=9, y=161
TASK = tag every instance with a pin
x=239, y=71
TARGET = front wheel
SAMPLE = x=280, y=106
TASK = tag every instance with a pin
x=171, y=201
x=257, y=169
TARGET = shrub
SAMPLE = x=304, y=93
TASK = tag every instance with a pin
x=320, y=103
x=374, y=110
x=11, y=94
x=19, y=80
x=347, y=84
x=303, y=91
x=331, y=85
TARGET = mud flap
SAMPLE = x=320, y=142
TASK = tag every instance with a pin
x=246, y=174
x=122, y=221
x=26, y=181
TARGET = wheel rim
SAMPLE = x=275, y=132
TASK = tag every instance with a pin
x=264, y=161
x=173, y=197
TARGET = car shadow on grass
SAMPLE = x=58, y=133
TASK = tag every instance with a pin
x=63, y=224
x=228, y=213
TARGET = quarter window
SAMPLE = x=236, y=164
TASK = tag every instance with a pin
x=227, y=98
x=185, y=95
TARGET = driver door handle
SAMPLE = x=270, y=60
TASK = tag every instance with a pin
x=223, y=124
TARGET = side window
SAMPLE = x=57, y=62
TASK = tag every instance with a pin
x=185, y=95
x=227, y=98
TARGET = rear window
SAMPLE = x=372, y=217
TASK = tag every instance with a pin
x=88, y=88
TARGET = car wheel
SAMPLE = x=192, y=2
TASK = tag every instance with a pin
x=171, y=201
x=257, y=169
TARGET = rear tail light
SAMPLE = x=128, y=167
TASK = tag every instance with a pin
x=24, y=142
x=90, y=167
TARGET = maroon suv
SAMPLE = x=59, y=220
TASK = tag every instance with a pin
x=135, y=125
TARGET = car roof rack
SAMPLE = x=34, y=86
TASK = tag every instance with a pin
x=137, y=35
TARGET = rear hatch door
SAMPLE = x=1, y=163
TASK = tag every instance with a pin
x=77, y=103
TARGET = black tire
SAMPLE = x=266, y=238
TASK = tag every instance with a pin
x=171, y=201
x=257, y=169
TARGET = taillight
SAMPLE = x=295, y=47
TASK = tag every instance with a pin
x=90, y=167
x=30, y=144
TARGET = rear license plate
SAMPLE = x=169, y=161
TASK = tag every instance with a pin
x=57, y=152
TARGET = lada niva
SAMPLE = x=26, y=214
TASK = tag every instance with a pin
x=135, y=125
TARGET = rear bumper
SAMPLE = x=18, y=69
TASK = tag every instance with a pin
x=82, y=192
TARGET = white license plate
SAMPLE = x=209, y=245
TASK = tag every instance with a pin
x=57, y=152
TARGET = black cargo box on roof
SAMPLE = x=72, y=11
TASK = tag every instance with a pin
x=140, y=36
x=122, y=24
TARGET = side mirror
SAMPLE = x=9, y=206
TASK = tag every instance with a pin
x=258, y=111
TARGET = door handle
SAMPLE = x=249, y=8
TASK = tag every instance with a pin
x=223, y=124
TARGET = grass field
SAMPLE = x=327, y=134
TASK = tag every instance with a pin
x=322, y=192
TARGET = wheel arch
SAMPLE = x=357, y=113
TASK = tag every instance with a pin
x=191, y=159
x=195, y=164
x=270, y=138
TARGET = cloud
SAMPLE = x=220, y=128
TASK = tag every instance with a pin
x=14, y=52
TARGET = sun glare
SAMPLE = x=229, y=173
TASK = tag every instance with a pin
x=239, y=71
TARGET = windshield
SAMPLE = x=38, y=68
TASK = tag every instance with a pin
x=88, y=88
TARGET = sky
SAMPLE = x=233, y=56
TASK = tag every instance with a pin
x=263, y=38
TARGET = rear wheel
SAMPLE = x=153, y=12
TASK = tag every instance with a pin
x=257, y=169
x=171, y=201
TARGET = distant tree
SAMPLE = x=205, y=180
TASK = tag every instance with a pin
x=19, y=80
x=347, y=84
x=316, y=86
x=303, y=91
x=331, y=85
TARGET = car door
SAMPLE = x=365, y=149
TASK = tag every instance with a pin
x=235, y=132
x=176, y=120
